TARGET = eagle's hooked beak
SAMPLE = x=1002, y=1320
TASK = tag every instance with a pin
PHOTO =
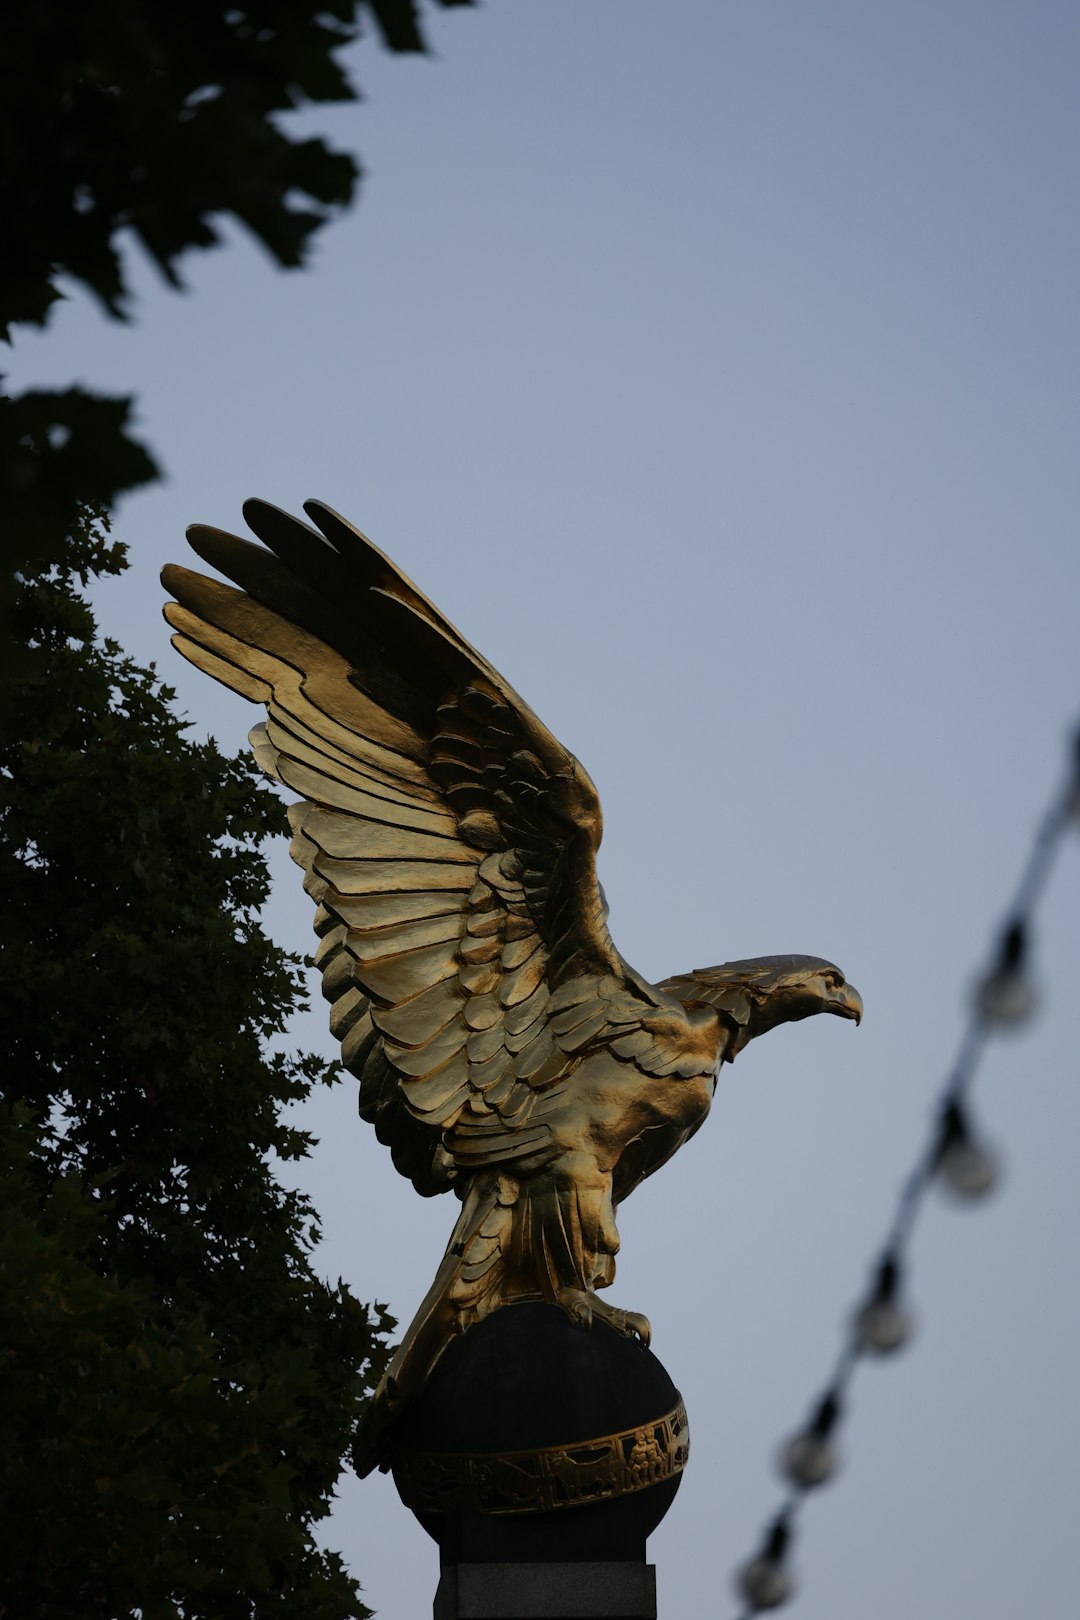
x=846, y=1002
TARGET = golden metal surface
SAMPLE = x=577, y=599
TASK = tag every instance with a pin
x=504, y=1048
x=549, y=1477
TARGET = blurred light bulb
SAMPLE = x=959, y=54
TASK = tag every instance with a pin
x=1006, y=996
x=965, y=1165
x=881, y=1326
x=764, y=1584
x=968, y=1170
x=808, y=1460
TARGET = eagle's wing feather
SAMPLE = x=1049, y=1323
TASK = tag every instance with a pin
x=448, y=839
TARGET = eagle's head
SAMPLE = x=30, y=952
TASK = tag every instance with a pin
x=754, y=996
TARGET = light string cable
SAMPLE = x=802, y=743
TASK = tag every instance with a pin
x=953, y=1152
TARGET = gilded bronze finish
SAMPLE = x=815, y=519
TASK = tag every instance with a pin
x=504, y=1048
x=549, y=1477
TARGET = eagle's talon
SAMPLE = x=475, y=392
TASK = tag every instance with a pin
x=578, y=1306
x=583, y=1308
x=640, y=1327
x=631, y=1324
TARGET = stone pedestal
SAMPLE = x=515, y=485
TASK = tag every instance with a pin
x=548, y=1591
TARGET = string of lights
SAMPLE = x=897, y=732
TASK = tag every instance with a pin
x=953, y=1153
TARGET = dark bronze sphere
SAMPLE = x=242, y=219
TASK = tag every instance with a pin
x=535, y=1439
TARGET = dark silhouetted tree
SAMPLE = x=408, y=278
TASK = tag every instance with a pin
x=178, y=1389
x=155, y=121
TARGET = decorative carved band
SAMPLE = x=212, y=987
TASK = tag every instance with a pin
x=548, y=1478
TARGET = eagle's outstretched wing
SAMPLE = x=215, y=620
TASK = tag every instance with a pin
x=447, y=837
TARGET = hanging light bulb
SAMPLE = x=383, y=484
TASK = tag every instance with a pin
x=969, y=1170
x=1007, y=996
x=765, y=1585
x=967, y=1167
x=764, y=1582
x=808, y=1459
x=881, y=1326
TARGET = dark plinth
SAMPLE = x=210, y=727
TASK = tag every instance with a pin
x=524, y=1380
x=548, y=1591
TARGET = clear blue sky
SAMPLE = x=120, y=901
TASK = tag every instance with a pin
x=714, y=366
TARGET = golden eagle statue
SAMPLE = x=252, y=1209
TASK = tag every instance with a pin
x=504, y=1048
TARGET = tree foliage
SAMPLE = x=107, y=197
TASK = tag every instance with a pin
x=177, y=1387
x=154, y=122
